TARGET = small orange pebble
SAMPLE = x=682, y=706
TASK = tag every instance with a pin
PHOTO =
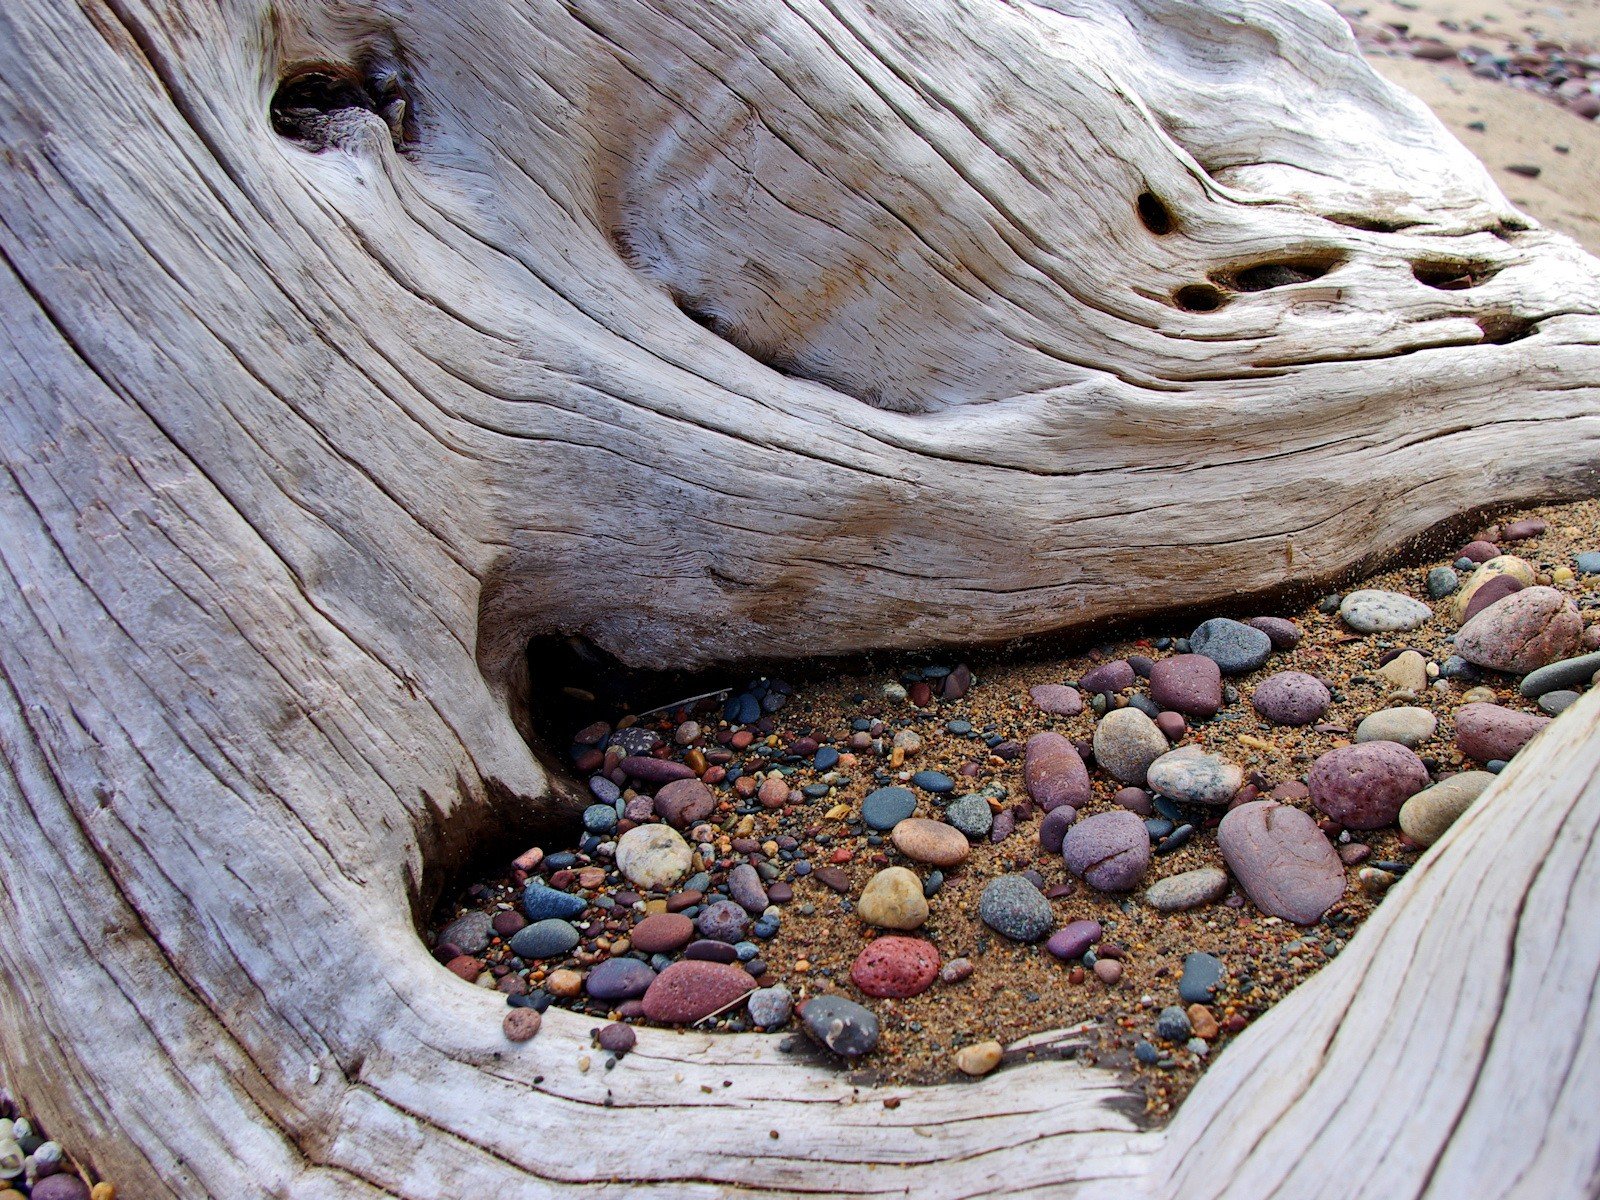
x=802, y=966
x=841, y=855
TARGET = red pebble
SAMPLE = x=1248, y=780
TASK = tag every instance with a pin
x=896, y=967
x=465, y=966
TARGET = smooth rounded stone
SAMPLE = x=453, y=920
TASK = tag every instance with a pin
x=1108, y=971
x=1202, y=975
x=1363, y=786
x=895, y=967
x=1057, y=699
x=470, y=934
x=1556, y=703
x=640, y=809
x=540, y=902
x=635, y=741
x=1426, y=816
x=653, y=857
x=887, y=807
x=1190, y=684
x=519, y=1025
x=655, y=770
x=1523, y=529
x=1488, y=731
x=841, y=1025
x=507, y=921
x=693, y=989
x=971, y=815
x=544, y=939
x=1285, y=634
x=619, y=979
x=1491, y=591
x=1408, y=726
x=932, y=842
x=1531, y=629
x=1406, y=672
x=1073, y=939
x=1560, y=676
x=744, y=885
x=1053, y=772
x=1013, y=907
x=1191, y=776
x=1126, y=742
x=769, y=1007
x=604, y=790
x=1173, y=1024
x=1135, y=800
x=1176, y=893
x=1053, y=829
x=1480, y=551
x=683, y=802
x=1109, y=851
x=1291, y=698
x=893, y=899
x=662, y=933
x=980, y=1058
x=1441, y=581
x=599, y=818
x=1588, y=562
x=723, y=921
x=711, y=950
x=1284, y=863
x=936, y=782
x=616, y=1038
x=1235, y=647
x=1108, y=677
x=1495, y=571
x=1374, y=611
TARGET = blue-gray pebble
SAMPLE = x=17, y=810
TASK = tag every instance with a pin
x=544, y=939
x=1235, y=647
x=887, y=807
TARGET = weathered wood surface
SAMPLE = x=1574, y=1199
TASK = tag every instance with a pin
x=300, y=448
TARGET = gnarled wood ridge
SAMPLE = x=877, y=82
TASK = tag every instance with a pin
x=346, y=346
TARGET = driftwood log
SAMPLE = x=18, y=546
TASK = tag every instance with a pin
x=347, y=346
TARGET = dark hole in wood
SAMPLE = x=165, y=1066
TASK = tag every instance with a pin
x=1199, y=297
x=1451, y=275
x=1261, y=277
x=1369, y=223
x=1157, y=217
x=318, y=106
x=1500, y=328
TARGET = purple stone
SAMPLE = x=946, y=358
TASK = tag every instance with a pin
x=1108, y=677
x=1072, y=940
x=619, y=979
x=723, y=921
x=1054, y=827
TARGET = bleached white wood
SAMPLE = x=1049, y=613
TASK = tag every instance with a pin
x=301, y=447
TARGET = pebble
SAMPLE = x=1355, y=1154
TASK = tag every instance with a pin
x=971, y=815
x=1523, y=529
x=1489, y=731
x=1488, y=592
x=770, y=1007
x=1012, y=906
x=1109, y=851
x=1053, y=772
x=1191, y=776
x=1363, y=786
x=693, y=989
x=887, y=807
x=1202, y=1022
x=662, y=933
x=841, y=1025
x=1426, y=816
x=1480, y=551
x=1291, y=698
x=1284, y=633
x=1282, y=860
x=1135, y=800
x=1126, y=742
x=684, y=802
x=1108, y=677
x=1202, y=975
x=1108, y=971
x=544, y=939
x=723, y=921
x=1556, y=703
x=979, y=1058
x=1173, y=1024
x=936, y=782
x=519, y=1025
x=616, y=1038
x=1190, y=684
x=599, y=818
x=1178, y=893
x=470, y=934
x=1373, y=611
x=1441, y=582
x=933, y=842
x=744, y=885
x=1406, y=672
x=1505, y=573
x=1588, y=562
x=1556, y=676
x=619, y=979
x=541, y=902
x=896, y=967
x=1235, y=647
x=653, y=857
x=655, y=770
x=893, y=899
x=1074, y=938
x=1408, y=726
x=1525, y=631
x=1057, y=699
x=956, y=970
x=563, y=984
x=1054, y=828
